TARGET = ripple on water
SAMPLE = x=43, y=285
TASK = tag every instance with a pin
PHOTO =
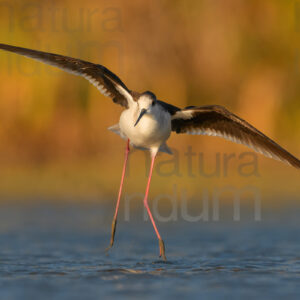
x=59, y=256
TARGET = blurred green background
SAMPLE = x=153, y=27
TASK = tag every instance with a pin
x=54, y=145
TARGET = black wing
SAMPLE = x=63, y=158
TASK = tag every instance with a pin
x=217, y=121
x=106, y=82
x=171, y=109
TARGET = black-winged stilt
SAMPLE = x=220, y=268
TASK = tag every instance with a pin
x=146, y=123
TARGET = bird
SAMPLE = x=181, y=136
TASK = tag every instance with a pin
x=146, y=123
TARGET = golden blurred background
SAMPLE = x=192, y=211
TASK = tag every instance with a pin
x=54, y=142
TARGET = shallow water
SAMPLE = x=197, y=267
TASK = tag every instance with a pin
x=57, y=252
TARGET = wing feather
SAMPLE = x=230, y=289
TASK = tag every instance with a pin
x=217, y=121
x=109, y=84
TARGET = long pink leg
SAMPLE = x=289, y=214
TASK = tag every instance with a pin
x=114, y=222
x=161, y=242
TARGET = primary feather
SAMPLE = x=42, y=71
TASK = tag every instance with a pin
x=109, y=84
x=216, y=120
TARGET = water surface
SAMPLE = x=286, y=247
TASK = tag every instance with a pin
x=57, y=252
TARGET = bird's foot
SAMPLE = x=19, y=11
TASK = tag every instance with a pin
x=113, y=231
x=162, y=249
x=109, y=247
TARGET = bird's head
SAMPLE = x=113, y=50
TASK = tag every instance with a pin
x=146, y=105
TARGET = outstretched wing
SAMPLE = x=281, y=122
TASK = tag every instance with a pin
x=218, y=121
x=106, y=82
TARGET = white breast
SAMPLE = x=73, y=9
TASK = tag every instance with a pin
x=152, y=130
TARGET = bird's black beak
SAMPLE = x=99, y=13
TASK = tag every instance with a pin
x=143, y=111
